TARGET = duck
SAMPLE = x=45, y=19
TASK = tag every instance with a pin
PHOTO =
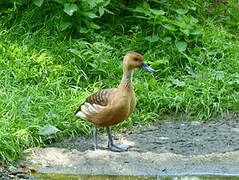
x=108, y=107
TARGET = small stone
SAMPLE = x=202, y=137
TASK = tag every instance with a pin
x=12, y=169
x=195, y=123
x=11, y=176
x=22, y=176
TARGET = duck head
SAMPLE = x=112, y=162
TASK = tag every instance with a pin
x=134, y=60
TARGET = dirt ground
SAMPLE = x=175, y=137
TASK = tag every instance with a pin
x=168, y=147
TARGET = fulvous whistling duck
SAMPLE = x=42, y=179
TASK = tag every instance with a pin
x=108, y=107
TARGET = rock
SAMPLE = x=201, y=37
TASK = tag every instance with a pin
x=22, y=176
x=195, y=123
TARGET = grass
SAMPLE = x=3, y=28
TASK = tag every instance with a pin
x=45, y=75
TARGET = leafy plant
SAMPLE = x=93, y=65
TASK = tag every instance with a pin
x=177, y=21
x=79, y=15
x=82, y=13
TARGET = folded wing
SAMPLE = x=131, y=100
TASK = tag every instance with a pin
x=94, y=104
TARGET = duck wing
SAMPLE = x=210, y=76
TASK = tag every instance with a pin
x=94, y=103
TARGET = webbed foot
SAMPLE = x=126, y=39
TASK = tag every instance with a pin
x=120, y=148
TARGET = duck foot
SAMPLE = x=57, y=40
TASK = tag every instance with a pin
x=120, y=148
x=114, y=148
x=111, y=146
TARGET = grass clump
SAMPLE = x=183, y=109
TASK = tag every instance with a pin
x=45, y=74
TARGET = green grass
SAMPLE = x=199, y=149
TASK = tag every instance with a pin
x=45, y=75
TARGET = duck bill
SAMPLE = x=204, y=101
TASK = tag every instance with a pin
x=147, y=68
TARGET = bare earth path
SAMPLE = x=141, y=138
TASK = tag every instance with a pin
x=169, y=147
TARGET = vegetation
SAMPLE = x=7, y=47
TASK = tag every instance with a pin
x=54, y=53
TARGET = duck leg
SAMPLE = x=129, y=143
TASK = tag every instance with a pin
x=111, y=145
x=95, y=132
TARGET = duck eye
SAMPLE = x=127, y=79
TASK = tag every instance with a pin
x=136, y=59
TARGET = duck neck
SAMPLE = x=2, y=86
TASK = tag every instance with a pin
x=127, y=77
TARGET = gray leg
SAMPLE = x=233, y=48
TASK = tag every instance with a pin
x=111, y=145
x=95, y=132
x=110, y=140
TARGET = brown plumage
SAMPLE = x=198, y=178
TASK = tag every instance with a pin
x=108, y=107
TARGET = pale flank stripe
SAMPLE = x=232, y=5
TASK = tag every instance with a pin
x=84, y=109
x=87, y=109
x=81, y=115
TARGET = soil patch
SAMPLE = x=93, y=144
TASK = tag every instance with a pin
x=168, y=147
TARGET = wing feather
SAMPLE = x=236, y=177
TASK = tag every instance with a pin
x=94, y=103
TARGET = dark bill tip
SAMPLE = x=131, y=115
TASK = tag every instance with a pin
x=147, y=68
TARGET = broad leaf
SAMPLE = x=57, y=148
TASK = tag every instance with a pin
x=75, y=51
x=92, y=15
x=185, y=31
x=168, y=38
x=157, y=12
x=101, y=11
x=193, y=8
x=141, y=17
x=38, y=2
x=139, y=9
x=84, y=30
x=170, y=27
x=181, y=11
x=65, y=25
x=48, y=130
x=181, y=45
x=193, y=20
x=178, y=83
x=153, y=38
x=108, y=11
x=105, y=3
x=196, y=32
x=92, y=25
x=59, y=1
x=94, y=3
x=70, y=8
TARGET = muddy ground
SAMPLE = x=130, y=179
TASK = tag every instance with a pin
x=168, y=147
